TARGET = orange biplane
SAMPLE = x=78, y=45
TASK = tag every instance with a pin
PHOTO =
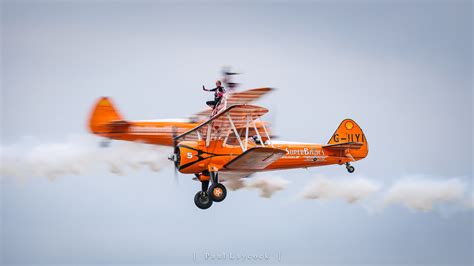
x=216, y=152
x=230, y=145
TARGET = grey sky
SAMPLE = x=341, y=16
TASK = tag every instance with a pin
x=402, y=70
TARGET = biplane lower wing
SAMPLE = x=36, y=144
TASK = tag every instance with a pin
x=255, y=159
x=248, y=163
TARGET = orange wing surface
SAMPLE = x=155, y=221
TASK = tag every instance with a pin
x=238, y=98
x=255, y=159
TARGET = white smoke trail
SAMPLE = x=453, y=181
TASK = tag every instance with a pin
x=417, y=193
x=234, y=184
x=77, y=155
x=423, y=194
x=266, y=184
x=80, y=154
x=349, y=189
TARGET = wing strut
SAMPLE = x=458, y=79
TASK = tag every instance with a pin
x=226, y=136
x=258, y=134
x=247, y=124
x=208, y=134
x=236, y=133
x=266, y=132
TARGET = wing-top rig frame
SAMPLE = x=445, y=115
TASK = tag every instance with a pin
x=222, y=124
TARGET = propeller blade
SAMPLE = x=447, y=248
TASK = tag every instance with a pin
x=231, y=73
x=176, y=179
x=174, y=134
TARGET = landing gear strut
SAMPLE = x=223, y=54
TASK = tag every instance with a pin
x=202, y=199
x=208, y=194
x=350, y=168
x=216, y=191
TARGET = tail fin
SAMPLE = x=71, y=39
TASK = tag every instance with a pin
x=103, y=114
x=349, y=132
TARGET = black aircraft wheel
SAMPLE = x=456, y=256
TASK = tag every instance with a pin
x=202, y=200
x=350, y=169
x=217, y=192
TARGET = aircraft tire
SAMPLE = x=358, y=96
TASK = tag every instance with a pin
x=350, y=169
x=217, y=192
x=202, y=200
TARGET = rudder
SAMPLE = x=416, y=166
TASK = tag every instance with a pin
x=350, y=131
x=102, y=114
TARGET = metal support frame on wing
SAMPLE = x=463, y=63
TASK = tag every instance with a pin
x=226, y=137
x=224, y=101
x=258, y=133
x=266, y=132
x=247, y=124
x=208, y=134
x=221, y=106
x=236, y=133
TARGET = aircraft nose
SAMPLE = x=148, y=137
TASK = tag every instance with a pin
x=176, y=156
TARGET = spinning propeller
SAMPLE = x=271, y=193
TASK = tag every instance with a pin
x=227, y=78
x=175, y=156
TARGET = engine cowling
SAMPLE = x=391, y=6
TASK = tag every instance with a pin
x=190, y=157
x=194, y=157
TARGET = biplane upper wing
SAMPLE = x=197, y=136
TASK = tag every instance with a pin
x=221, y=124
x=344, y=146
x=237, y=98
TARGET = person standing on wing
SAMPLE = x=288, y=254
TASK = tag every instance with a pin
x=219, y=92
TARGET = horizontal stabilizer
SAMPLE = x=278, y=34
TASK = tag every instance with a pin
x=344, y=146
